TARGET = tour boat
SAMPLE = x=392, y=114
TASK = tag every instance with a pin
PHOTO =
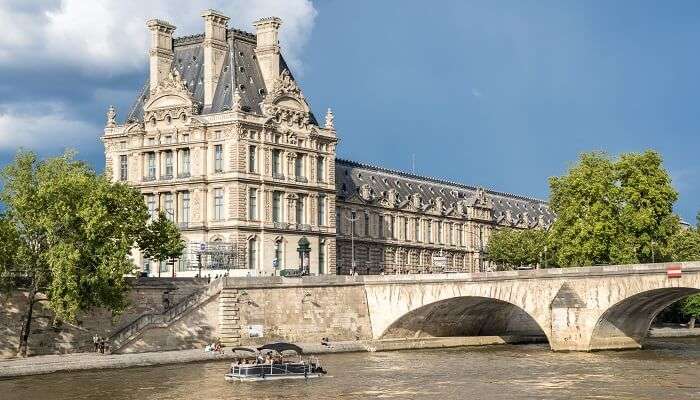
x=271, y=362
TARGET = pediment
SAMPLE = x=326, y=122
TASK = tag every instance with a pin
x=168, y=101
x=289, y=102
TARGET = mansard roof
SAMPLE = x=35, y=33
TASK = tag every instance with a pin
x=240, y=69
x=508, y=209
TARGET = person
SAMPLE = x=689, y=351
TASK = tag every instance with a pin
x=95, y=341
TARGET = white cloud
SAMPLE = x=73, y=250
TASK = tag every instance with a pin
x=476, y=92
x=110, y=36
x=43, y=127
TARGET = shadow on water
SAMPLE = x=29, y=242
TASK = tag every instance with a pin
x=667, y=368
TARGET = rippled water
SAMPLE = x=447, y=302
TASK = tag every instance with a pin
x=667, y=369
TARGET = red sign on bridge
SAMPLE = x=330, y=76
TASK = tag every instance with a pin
x=674, y=271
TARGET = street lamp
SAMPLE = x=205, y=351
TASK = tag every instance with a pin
x=352, y=219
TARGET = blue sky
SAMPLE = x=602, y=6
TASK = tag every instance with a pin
x=497, y=93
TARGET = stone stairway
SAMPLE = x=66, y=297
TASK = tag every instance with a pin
x=229, y=319
x=128, y=333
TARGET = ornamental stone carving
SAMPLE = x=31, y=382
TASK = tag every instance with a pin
x=111, y=117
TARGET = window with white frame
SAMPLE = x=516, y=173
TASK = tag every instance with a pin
x=218, y=158
x=123, y=168
x=218, y=204
x=252, y=204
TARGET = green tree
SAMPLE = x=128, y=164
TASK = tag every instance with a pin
x=161, y=240
x=691, y=308
x=684, y=245
x=613, y=211
x=67, y=233
x=510, y=248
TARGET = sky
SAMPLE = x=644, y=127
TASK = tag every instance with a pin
x=502, y=94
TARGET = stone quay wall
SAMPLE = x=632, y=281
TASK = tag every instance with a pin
x=148, y=295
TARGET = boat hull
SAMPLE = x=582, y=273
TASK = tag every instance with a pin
x=273, y=377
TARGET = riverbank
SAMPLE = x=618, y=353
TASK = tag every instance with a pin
x=88, y=361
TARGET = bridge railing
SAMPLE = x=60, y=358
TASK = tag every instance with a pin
x=398, y=269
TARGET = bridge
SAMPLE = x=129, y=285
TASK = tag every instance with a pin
x=576, y=309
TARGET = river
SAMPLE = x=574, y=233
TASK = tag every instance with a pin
x=665, y=369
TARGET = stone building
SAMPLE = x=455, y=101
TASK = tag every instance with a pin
x=223, y=141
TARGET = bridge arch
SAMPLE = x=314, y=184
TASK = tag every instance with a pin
x=626, y=323
x=464, y=316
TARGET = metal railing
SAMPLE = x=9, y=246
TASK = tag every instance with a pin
x=124, y=335
x=183, y=174
x=364, y=268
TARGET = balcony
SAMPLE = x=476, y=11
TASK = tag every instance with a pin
x=183, y=225
x=304, y=227
x=278, y=176
x=149, y=178
x=301, y=179
x=166, y=177
x=184, y=174
x=280, y=225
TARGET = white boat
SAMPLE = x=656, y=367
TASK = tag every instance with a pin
x=271, y=362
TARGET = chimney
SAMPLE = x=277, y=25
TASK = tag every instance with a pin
x=161, y=54
x=215, y=26
x=267, y=49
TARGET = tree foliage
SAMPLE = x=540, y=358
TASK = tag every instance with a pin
x=161, y=239
x=513, y=247
x=67, y=232
x=685, y=245
x=613, y=211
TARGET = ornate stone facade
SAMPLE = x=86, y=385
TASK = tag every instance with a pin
x=229, y=156
x=223, y=140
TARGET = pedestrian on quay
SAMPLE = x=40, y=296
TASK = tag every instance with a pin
x=95, y=342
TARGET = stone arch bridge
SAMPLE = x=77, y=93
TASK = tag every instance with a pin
x=577, y=309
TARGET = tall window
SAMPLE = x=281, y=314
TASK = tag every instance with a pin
x=390, y=225
x=460, y=240
x=151, y=204
x=321, y=210
x=185, y=212
x=321, y=169
x=299, y=166
x=253, y=204
x=405, y=228
x=449, y=234
x=218, y=158
x=276, y=206
x=123, y=168
x=252, y=152
x=168, y=164
x=168, y=204
x=429, y=235
x=276, y=162
x=337, y=222
x=439, y=232
x=252, y=254
x=185, y=166
x=151, y=165
x=416, y=229
x=321, y=258
x=218, y=204
x=278, y=254
x=301, y=212
x=366, y=224
x=380, y=225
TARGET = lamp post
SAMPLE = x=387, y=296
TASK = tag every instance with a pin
x=352, y=219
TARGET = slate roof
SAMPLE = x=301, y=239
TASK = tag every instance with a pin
x=351, y=175
x=240, y=70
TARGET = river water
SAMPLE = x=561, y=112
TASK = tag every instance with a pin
x=666, y=369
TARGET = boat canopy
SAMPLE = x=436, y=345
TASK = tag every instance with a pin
x=281, y=346
x=245, y=349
